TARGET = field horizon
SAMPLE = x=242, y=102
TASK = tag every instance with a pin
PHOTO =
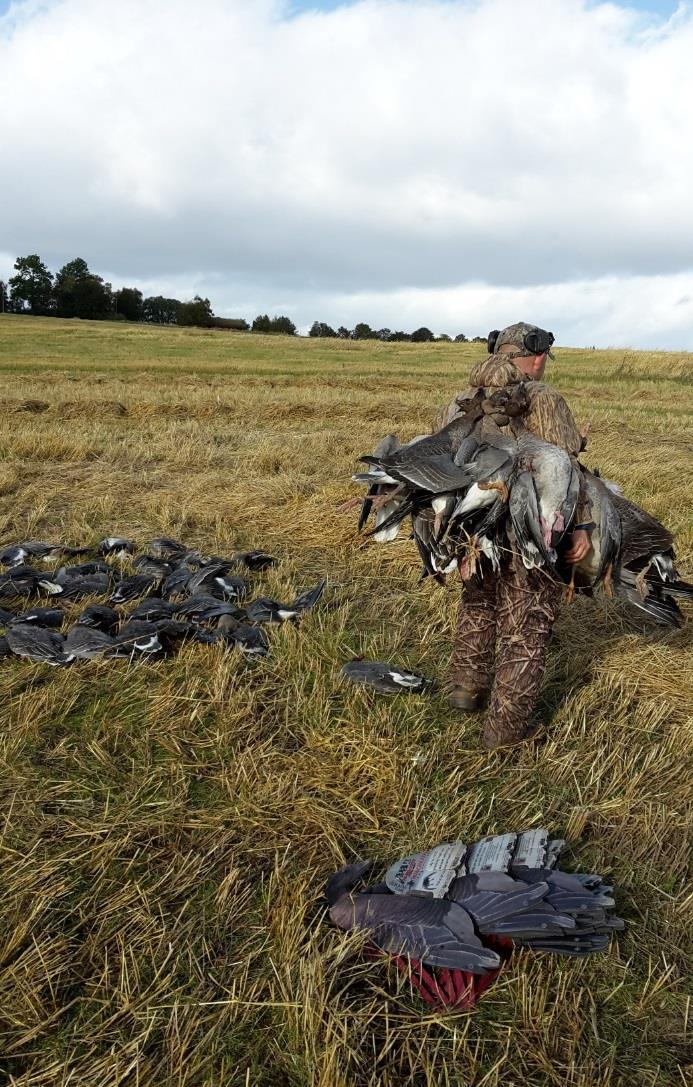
x=167, y=829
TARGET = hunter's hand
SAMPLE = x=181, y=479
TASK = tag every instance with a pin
x=580, y=544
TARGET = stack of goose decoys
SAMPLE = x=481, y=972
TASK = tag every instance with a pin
x=454, y=912
x=178, y=594
x=484, y=484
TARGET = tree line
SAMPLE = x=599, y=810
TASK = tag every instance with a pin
x=75, y=291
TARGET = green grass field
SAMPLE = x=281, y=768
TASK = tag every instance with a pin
x=166, y=829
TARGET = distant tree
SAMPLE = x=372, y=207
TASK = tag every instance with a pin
x=400, y=337
x=32, y=286
x=235, y=324
x=198, y=312
x=384, y=334
x=362, y=331
x=161, y=311
x=4, y=297
x=320, y=329
x=283, y=325
x=422, y=335
x=444, y=338
x=129, y=304
x=460, y=338
x=343, y=333
x=479, y=339
x=262, y=323
x=80, y=293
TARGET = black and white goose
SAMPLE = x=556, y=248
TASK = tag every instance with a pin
x=385, y=678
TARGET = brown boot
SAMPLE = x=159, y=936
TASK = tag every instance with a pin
x=493, y=739
x=461, y=698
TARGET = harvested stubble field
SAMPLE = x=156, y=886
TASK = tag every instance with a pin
x=166, y=829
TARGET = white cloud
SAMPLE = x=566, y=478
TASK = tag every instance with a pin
x=384, y=158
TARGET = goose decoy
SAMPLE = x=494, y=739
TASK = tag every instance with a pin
x=132, y=588
x=385, y=678
x=451, y=906
x=37, y=644
x=115, y=547
x=43, y=617
x=101, y=617
x=37, y=550
x=253, y=560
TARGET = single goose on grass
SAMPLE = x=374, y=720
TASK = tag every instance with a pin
x=385, y=678
x=77, y=588
x=216, y=580
x=253, y=560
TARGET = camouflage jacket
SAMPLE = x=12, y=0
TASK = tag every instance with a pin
x=549, y=417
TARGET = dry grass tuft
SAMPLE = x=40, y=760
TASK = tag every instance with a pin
x=166, y=829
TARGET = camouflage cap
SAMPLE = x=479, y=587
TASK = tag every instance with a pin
x=529, y=339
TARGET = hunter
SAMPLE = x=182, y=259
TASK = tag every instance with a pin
x=505, y=619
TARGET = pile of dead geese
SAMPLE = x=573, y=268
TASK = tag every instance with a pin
x=485, y=486
x=178, y=594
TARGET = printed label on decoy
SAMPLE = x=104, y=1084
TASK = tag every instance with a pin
x=530, y=850
x=492, y=854
x=427, y=874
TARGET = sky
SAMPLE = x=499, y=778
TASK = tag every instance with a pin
x=460, y=164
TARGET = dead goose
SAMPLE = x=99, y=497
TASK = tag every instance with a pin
x=204, y=608
x=216, y=580
x=77, y=587
x=37, y=644
x=543, y=499
x=266, y=610
x=17, y=554
x=385, y=678
x=147, y=564
x=101, y=617
x=43, y=617
x=153, y=609
x=253, y=560
x=250, y=640
x=132, y=588
x=5, y=650
x=115, y=547
x=163, y=547
x=20, y=581
x=444, y=907
x=86, y=642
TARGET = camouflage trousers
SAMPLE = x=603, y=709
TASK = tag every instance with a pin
x=505, y=620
